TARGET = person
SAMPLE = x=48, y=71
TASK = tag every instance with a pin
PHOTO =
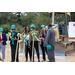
x=43, y=39
x=26, y=47
x=35, y=41
x=3, y=40
x=13, y=44
x=50, y=40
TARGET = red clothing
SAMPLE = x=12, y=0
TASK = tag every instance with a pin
x=1, y=39
x=43, y=36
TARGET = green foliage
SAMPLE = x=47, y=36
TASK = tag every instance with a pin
x=19, y=29
x=28, y=18
x=6, y=28
x=73, y=16
x=41, y=18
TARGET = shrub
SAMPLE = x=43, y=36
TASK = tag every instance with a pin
x=6, y=28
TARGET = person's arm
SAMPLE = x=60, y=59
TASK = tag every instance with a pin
x=48, y=36
x=4, y=40
x=40, y=37
x=29, y=38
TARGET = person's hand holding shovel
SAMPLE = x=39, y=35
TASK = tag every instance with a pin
x=14, y=39
x=43, y=39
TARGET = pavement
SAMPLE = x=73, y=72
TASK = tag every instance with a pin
x=59, y=56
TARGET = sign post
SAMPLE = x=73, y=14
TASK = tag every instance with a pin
x=53, y=18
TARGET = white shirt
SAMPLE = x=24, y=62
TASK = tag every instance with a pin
x=1, y=36
x=27, y=38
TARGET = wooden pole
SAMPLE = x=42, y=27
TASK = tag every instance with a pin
x=8, y=47
x=16, y=50
x=37, y=38
x=24, y=51
x=32, y=49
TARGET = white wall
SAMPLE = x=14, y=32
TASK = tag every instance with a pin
x=71, y=29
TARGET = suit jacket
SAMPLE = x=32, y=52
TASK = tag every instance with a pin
x=44, y=44
x=51, y=37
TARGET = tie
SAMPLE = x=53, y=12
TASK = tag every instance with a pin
x=12, y=37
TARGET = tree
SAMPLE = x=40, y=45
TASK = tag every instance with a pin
x=13, y=19
x=6, y=28
x=22, y=19
x=18, y=17
x=40, y=19
x=28, y=18
x=73, y=16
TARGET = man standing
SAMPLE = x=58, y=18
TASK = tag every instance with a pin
x=50, y=40
x=13, y=44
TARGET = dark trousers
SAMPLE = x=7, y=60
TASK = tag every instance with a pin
x=43, y=51
x=28, y=50
x=51, y=56
x=36, y=47
x=13, y=52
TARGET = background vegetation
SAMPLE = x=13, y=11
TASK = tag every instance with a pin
x=22, y=19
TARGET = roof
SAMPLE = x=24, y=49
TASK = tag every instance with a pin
x=68, y=13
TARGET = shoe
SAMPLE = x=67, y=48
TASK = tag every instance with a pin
x=12, y=61
x=0, y=59
x=30, y=60
x=33, y=60
x=43, y=60
x=38, y=60
x=26, y=60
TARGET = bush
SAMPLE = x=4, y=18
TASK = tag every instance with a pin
x=19, y=28
x=6, y=28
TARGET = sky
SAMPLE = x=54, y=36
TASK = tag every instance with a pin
x=21, y=12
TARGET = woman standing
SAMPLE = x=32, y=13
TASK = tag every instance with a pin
x=3, y=40
x=43, y=39
x=27, y=48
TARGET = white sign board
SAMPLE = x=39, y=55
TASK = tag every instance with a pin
x=71, y=29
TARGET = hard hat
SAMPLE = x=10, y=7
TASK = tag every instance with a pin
x=49, y=47
x=32, y=26
x=13, y=27
x=42, y=26
x=1, y=29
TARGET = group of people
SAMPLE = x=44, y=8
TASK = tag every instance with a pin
x=46, y=37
